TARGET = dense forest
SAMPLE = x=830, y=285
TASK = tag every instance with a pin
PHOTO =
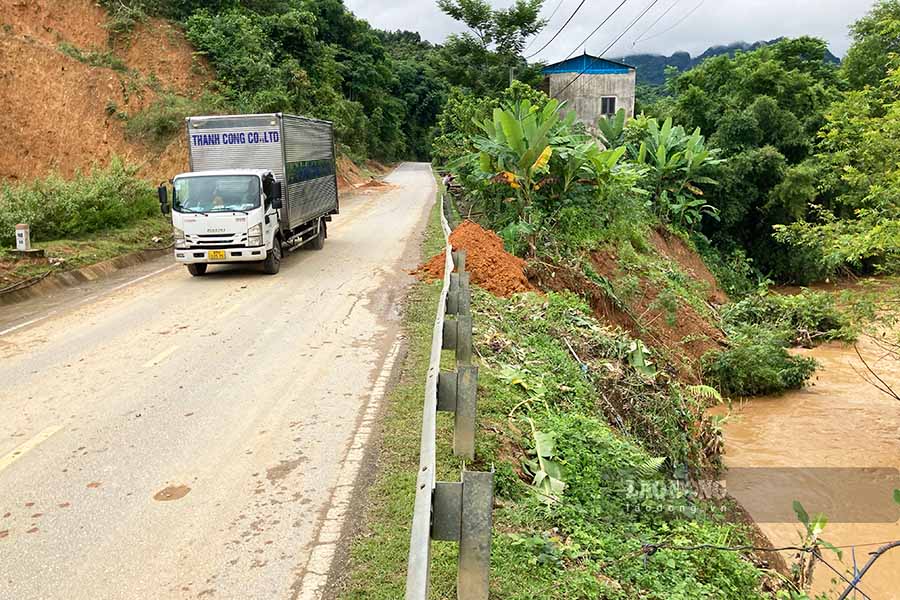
x=383, y=90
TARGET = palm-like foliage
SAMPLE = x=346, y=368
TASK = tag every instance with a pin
x=536, y=151
x=676, y=162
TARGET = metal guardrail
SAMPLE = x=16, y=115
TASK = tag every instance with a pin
x=458, y=511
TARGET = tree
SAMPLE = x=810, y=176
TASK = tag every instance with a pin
x=875, y=37
x=504, y=30
x=763, y=108
x=481, y=60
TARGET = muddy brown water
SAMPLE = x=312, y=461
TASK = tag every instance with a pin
x=835, y=446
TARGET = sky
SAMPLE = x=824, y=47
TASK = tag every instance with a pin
x=668, y=26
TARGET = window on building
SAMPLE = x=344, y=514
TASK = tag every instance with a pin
x=608, y=105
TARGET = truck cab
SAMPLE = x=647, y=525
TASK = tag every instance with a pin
x=258, y=184
x=228, y=216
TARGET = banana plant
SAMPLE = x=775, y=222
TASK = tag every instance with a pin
x=547, y=473
x=516, y=149
x=612, y=129
x=676, y=162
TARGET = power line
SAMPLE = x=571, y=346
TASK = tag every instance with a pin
x=596, y=29
x=561, y=29
x=550, y=18
x=677, y=23
x=627, y=29
x=658, y=19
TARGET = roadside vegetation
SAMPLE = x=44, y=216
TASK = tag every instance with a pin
x=593, y=395
x=90, y=218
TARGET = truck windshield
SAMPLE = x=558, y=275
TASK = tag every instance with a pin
x=207, y=194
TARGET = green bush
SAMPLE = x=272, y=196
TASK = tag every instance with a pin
x=58, y=208
x=163, y=119
x=757, y=363
x=809, y=317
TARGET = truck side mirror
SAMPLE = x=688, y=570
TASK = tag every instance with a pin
x=277, y=195
x=163, y=199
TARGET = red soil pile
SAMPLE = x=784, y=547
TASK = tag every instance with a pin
x=349, y=176
x=491, y=267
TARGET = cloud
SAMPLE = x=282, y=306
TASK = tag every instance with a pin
x=714, y=22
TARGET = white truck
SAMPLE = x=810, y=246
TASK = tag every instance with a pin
x=259, y=184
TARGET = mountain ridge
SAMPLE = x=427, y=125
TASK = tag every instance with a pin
x=651, y=68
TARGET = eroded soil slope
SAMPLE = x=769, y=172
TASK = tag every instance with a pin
x=62, y=113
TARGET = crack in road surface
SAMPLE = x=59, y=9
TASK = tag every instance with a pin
x=216, y=455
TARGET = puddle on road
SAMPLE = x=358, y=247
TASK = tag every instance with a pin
x=836, y=447
x=173, y=492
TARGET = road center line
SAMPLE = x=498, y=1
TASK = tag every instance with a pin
x=160, y=357
x=31, y=444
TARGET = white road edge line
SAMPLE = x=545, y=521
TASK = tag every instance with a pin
x=320, y=560
x=160, y=357
x=143, y=277
x=115, y=289
x=25, y=324
x=31, y=444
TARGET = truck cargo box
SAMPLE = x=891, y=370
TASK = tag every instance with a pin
x=299, y=151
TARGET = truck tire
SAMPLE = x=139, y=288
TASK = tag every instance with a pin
x=272, y=264
x=319, y=241
x=197, y=270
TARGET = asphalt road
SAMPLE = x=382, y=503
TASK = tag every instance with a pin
x=169, y=437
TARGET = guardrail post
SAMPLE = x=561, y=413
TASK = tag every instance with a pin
x=475, y=536
x=464, y=340
x=459, y=260
x=453, y=296
x=464, y=296
x=458, y=393
x=466, y=407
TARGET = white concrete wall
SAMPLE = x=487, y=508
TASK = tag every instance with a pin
x=584, y=95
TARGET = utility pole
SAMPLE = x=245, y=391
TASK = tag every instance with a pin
x=512, y=75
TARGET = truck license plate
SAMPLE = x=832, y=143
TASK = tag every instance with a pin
x=216, y=255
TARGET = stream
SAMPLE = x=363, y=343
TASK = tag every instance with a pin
x=835, y=446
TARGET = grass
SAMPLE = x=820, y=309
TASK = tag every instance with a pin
x=161, y=121
x=95, y=58
x=87, y=250
x=587, y=543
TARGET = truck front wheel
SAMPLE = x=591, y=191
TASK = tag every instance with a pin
x=272, y=264
x=197, y=270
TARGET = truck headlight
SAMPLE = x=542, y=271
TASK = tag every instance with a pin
x=255, y=235
x=180, y=242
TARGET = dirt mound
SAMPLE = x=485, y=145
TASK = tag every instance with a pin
x=675, y=249
x=63, y=113
x=491, y=267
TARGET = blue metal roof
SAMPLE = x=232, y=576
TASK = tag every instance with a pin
x=589, y=65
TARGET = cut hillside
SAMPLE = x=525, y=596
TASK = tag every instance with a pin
x=663, y=298
x=663, y=295
x=67, y=88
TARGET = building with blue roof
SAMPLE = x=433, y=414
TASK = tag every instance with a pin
x=592, y=86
